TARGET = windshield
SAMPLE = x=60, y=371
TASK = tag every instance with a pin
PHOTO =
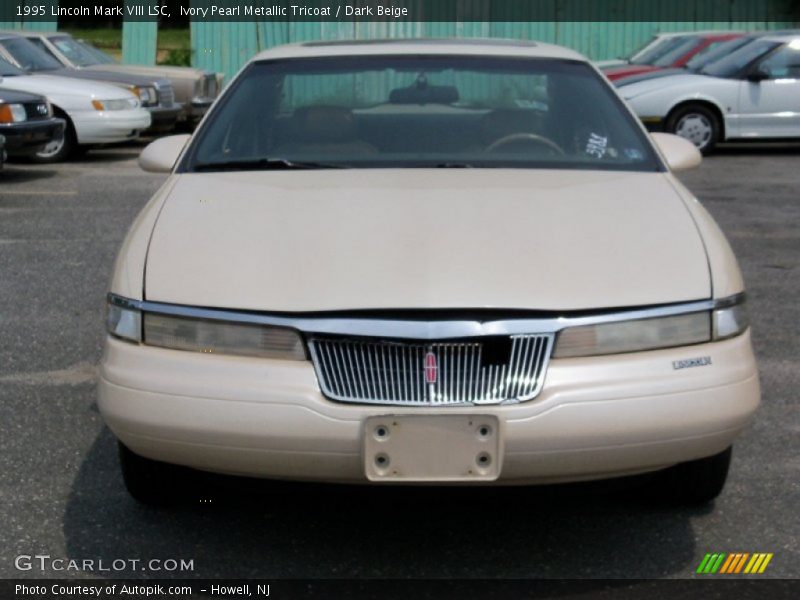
x=732, y=64
x=78, y=53
x=650, y=44
x=9, y=70
x=28, y=56
x=715, y=52
x=669, y=58
x=100, y=57
x=421, y=111
x=648, y=56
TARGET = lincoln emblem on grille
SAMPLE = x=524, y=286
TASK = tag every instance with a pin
x=488, y=370
x=431, y=368
x=41, y=109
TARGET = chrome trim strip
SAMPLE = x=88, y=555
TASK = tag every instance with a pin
x=420, y=330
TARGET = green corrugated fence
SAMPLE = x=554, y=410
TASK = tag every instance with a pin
x=225, y=47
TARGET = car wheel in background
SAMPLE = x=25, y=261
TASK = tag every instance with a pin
x=695, y=482
x=152, y=482
x=696, y=123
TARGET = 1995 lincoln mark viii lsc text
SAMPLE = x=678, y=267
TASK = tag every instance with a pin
x=425, y=262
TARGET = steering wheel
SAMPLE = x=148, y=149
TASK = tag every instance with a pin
x=526, y=138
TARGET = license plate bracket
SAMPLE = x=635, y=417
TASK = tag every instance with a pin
x=432, y=448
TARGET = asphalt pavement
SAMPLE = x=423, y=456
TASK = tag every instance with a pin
x=62, y=494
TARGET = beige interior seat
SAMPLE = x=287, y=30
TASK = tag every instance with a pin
x=324, y=130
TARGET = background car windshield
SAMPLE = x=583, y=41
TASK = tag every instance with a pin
x=28, y=56
x=422, y=111
x=9, y=70
x=738, y=60
x=649, y=55
x=76, y=52
x=100, y=57
x=669, y=58
x=716, y=52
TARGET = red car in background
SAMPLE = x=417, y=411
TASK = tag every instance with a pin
x=674, y=51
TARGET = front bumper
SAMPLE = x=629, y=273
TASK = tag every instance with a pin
x=163, y=118
x=107, y=127
x=595, y=417
x=28, y=137
x=196, y=108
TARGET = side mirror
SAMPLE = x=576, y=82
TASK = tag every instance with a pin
x=757, y=76
x=679, y=153
x=160, y=156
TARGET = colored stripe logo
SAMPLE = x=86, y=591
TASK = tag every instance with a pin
x=734, y=563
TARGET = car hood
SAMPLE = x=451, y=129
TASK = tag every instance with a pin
x=672, y=85
x=628, y=71
x=54, y=86
x=649, y=75
x=152, y=71
x=105, y=76
x=10, y=96
x=323, y=240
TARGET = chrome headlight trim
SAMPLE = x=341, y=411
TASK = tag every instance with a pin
x=422, y=329
x=730, y=317
x=124, y=322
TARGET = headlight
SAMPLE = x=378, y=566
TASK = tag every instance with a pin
x=125, y=323
x=221, y=337
x=147, y=95
x=12, y=113
x=731, y=318
x=115, y=104
x=653, y=333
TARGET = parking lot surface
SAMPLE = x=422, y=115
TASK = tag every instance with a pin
x=62, y=494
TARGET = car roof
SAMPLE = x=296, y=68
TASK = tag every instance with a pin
x=782, y=38
x=30, y=33
x=400, y=46
x=668, y=34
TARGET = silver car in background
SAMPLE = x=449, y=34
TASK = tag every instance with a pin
x=155, y=93
x=195, y=89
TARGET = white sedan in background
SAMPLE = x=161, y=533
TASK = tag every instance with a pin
x=95, y=113
x=753, y=93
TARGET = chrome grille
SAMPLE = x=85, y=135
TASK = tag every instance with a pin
x=466, y=372
x=210, y=86
x=36, y=110
x=166, y=95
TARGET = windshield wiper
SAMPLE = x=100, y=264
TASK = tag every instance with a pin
x=263, y=164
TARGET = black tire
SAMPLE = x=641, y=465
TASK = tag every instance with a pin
x=697, y=124
x=692, y=483
x=59, y=150
x=152, y=482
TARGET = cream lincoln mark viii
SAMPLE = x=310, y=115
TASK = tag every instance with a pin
x=425, y=262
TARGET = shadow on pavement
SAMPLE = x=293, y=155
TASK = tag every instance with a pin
x=250, y=528
x=109, y=154
x=10, y=174
x=758, y=148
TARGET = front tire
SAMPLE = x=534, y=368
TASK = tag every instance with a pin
x=152, y=482
x=695, y=482
x=697, y=124
x=60, y=149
